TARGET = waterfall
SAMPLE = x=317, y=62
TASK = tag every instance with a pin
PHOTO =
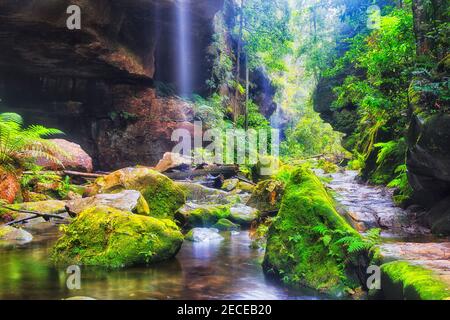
x=184, y=49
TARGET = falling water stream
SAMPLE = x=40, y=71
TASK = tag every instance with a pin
x=184, y=48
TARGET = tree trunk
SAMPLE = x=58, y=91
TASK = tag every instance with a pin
x=247, y=91
x=238, y=63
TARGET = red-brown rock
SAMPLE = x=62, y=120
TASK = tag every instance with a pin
x=75, y=158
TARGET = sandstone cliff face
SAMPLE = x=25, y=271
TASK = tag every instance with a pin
x=98, y=84
x=428, y=157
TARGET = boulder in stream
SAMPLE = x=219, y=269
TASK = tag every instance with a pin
x=204, y=235
x=11, y=234
x=128, y=200
x=163, y=196
x=107, y=237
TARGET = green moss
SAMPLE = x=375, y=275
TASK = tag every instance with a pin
x=226, y=225
x=267, y=195
x=208, y=215
x=163, y=196
x=401, y=280
x=103, y=236
x=295, y=250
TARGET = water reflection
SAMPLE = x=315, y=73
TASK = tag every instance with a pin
x=227, y=269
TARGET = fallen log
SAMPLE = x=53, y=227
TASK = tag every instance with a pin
x=70, y=173
x=45, y=216
x=227, y=172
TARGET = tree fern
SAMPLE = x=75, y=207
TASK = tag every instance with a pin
x=19, y=145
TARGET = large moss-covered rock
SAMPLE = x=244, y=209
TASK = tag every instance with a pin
x=401, y=280
x=301, y=243
x=103, y=236
x=163, y=196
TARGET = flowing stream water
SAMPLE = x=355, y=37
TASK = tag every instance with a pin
x=228, y=269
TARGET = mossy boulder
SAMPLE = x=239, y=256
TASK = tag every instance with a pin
x=163, y=196
x=243, y=215
x=107, y=237
x=267, y=195
x=301, y=244
x=208, y=215
x=226, y=225
x=401, y=280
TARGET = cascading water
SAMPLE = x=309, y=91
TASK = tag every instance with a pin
x=184, y=48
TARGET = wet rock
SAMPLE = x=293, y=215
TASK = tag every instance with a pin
x=243, y=215
x=11, y=234
x=204, y=215
x=267, y=196
x=164, y=197
x=237, y=186
x=230, y=184
x=128, y=200
x=438, y=217
x=207, y=215
x=71, y=155
x=367, y=206
x=172, y=160
x=104, y=236
x=197, y=192
x=226, y=225
x=204, y=235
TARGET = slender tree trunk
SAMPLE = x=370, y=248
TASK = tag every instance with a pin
x=247, y=91
x=238, y=63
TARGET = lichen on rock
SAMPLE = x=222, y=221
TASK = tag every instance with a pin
x=107, y=237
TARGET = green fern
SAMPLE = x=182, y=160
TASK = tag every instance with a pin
x=19, y=145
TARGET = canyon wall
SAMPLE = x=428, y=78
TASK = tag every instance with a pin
x=111, y=86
